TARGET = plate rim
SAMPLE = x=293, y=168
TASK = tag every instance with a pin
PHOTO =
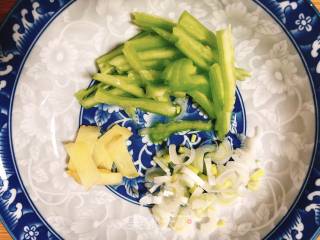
x=8, y=214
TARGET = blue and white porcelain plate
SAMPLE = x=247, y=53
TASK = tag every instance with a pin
x=47, y=52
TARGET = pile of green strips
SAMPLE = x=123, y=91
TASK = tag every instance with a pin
x=167, y=60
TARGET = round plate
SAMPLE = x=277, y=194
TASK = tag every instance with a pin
x=47, y=52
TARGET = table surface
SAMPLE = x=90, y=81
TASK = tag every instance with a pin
x=5, y=6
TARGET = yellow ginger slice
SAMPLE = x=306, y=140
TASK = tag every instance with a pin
x=91, y=157
x=121, y=157
x=101, y=155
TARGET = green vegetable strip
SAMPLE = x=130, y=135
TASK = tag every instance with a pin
x=149, y=42
x=174, y=82
x=84, y=93
x=159, y=53
x=163, y=108
x=226, y=60
x=179, y=94
x=102, y=61
x=151, y=76
x=134, y=61
x=149, y=64
x=119, y=60
x=120, y=83
x=180, y=76
x=165, y=34
x=132, y=57
x=140, y=35
x=131, y=111
x=222, y=126
x=113, y=53
x=242, y=74
x=168, y=71
x=195, y=56
x=188, y=67
x=85, y=97
x=91, y=101
x=205, y=51
x=216, y=85
x=142, y=41
x=162, y=131
x=129, y=79
x=88, y=102
x=204, y=103
x=155, y=64
x=118, y=92
x=148, y=21
x=201, y=84
x=152, y=54
x=159, y=93
x=186, y=70
x=197, y=30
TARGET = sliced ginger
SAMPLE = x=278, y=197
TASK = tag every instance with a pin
x=91, y=158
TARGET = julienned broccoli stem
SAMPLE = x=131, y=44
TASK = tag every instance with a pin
x=197, y=30
x=86, y=97
x=208, y=54
x=226, y=61
x=163, y=108
x=204, y=103
x=162, y=131
x=165, y=60
x=147, y=21
x=242, y=74
x=103, y=61
x=119, y=82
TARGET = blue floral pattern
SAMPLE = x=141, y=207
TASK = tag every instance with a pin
x=27, y=21
x=304, y=23
x=30, y=232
